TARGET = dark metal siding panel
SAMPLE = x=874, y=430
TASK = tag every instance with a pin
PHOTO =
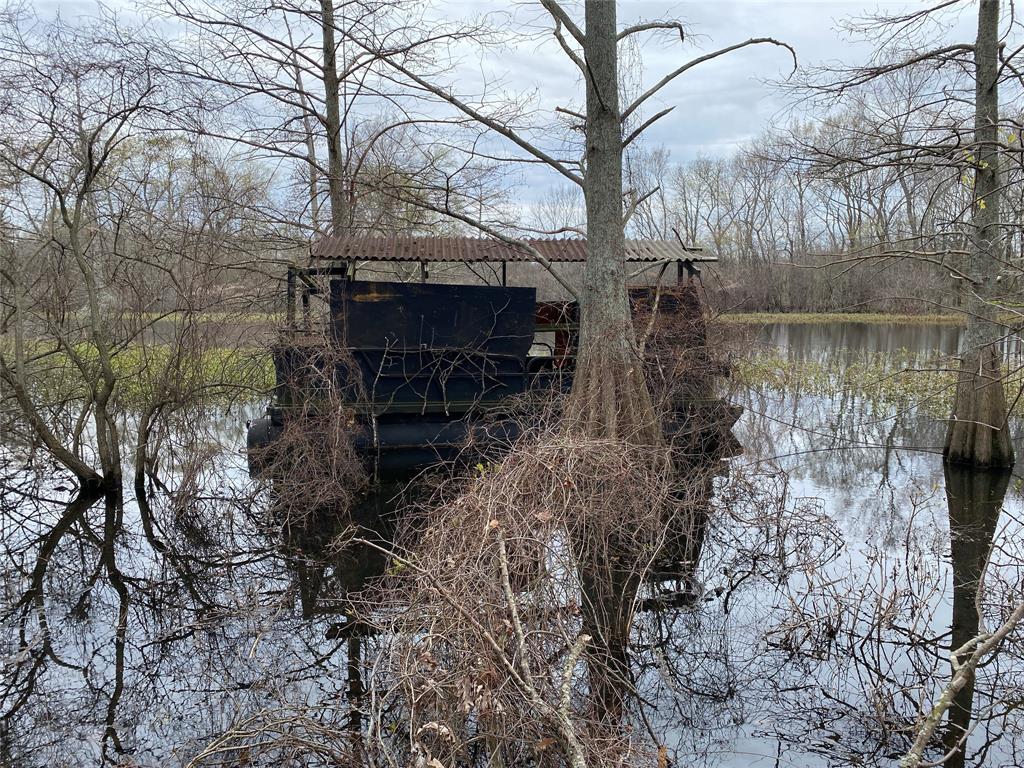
x=437, y=316
x=429, y=347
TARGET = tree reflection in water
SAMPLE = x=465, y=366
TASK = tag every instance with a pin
x=815, y=630
x=975, y=499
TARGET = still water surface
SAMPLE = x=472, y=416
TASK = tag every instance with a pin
x=847, y=651
x=838, y=568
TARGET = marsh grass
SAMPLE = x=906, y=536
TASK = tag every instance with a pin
x=210, y=316
x=889, y=381
x=146, y=372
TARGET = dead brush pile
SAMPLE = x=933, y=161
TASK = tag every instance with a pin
x=521, y=573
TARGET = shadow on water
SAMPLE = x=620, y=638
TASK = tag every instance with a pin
x=329, y=566
x=975, y=499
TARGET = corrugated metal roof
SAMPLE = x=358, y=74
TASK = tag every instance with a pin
x=454, y=249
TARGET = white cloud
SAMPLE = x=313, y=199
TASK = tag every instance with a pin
x=720, y=103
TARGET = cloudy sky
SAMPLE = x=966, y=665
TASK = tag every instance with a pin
x=721, y=103
x=718, y=106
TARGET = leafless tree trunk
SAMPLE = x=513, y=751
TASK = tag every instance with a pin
x=335, y=151
x=609, y=392
x=978, y=432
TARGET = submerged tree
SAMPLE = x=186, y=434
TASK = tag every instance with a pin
x=979, y=433
x=958, y=83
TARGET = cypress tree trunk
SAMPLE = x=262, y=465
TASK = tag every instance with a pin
x=978, y=433
x=609, y=396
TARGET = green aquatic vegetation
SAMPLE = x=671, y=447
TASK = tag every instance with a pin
x=216, y=374
x=213, y=317
x=147, y=373
x=889, y=381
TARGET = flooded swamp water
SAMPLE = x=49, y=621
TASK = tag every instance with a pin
x=840, y=563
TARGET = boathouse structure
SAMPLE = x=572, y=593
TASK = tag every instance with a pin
x=428, y=343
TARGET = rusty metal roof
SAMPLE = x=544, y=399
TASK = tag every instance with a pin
x=454, y=249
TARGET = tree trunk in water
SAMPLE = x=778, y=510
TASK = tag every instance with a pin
x=978, y=432
x=609, y=588
x=609, y=395
x=335, y=153
x=609, y=398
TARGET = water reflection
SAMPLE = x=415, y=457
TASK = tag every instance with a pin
x=891, y=609
x=832, y=576
x=827, y=341
x=823, y=341
x=327, y=553
x=975, y=500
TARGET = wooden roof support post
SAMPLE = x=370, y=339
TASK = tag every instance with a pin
x=691, y=270
x=290, y=306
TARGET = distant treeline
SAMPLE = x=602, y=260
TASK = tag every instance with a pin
x=865, y=210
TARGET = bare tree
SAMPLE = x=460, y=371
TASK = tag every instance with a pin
x=300, y=82
x=931, y=132
x=979, y=433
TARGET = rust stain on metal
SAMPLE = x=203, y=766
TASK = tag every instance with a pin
x=373, y=296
